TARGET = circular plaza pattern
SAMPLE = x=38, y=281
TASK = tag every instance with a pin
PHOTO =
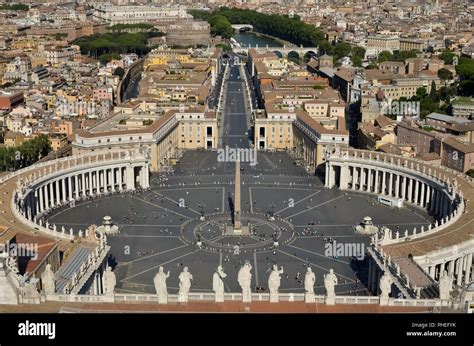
x=180, y=222
x=210, y=234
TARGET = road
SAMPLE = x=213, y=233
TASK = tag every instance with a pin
x=235, y=116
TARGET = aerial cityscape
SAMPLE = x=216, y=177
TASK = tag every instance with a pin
x=237, y=156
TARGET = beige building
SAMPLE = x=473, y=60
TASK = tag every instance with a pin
x=380, y=43
x=407, y=44
x=300, y=134
x=58, y=141
x=13, y=139
x=164, y=136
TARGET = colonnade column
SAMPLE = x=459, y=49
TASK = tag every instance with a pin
x=120, y=178
x=51, y=194
x=415, y=200
x=104, y=182
x=459, y=269
x=451, y=268
x=376, y=181
x=404, y=186
x=410, y=189
x=383, y=182
x=397, y=186
x=76, y=184
x=46, y=196
x=69, y=188
x=41, y=198
x=112, y=178
x=355, y=178
x=467, y=267
x=422, y=198
x=131, y=178
x=63, y=187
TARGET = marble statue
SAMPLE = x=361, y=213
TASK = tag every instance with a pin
x=29, y=294
x=309, y=281
x=218, y=284
x=48, y=280
x=160, y=285
x=385, y=285
x=109, y=281
x=185, y=279
x=244, y=278
x=445, y=286
x=330, y=282
x=274, y=281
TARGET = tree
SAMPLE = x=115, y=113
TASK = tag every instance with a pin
x=470, y=173
x=221, y=26
x=341, y=49
x=465, y=71
x=447, y=56
x=105, y=58
x=356, y=61
x=358, y=51
x=445, y=75
x=403, y=55
x=119, y=72
x=433, y=94
x=30, y=151
x=446, y=92
x=326, y=48
x=14, y=7
x=421, y=92
x=384, y=56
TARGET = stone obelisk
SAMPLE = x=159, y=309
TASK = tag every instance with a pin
x=237, y=225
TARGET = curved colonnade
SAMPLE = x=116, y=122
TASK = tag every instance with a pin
x=445, y=245
x=42, y=188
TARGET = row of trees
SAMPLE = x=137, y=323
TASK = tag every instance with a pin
x=396, y=56
x=24, y=155
x=106, y=45
x=132, y=27
x=14, y=7
x=282, y=27
x=342, y=49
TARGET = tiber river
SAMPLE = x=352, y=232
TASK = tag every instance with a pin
x=248, y=38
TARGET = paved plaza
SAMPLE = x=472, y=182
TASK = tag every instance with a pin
x=162, y=226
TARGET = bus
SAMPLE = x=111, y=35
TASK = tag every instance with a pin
x=390, y=201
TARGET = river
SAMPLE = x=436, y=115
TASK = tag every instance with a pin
x=249, y=38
